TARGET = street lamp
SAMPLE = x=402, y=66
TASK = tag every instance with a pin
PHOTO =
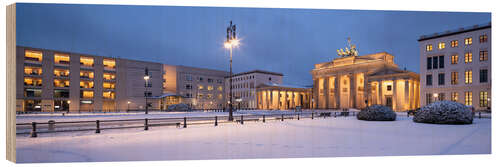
x=146, y=85
x=231, y=41
x=128, y=106
x=435, y=97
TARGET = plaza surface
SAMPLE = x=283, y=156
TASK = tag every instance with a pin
x=320, y=137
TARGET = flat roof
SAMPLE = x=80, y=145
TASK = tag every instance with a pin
x=257, y=71
x=456, y=31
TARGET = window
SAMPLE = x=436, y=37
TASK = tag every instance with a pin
x=87, y=74
x=468, y=98
x=454, y=78
x=219, y=88
x=61, y=93
x=189, y=78
x=33, y=56
x=108, y=95
x=454, y=96
x=468, y=77
x=428, y=47
x=61, y=73
x=189, y=86
x=428, y=98
x=210, y=87
x=483, y=99
x=86, y=94
x=219, y=81
x=389, y=87
x=108, y=85
x=210, y=80
x=483, y=55
x=32, y=105
x=60, y=58
x=429, y=63
x=86, y=84
x=200, y=87
x=428, y=80
x=483, y=38
x=441, y=45
x=32, y=81
x=454, y=43
x=109, y=63
x=454, y=59
x=61, y=83
x=200, y=79
x=219, y=96
x=468, y=41
x=468, y=57
x=200, y=95
x=32, y=70
x=189, y=95
x=434, y=62
x=441, y=61
x=109, y=76
x=148, y=94
x=87, y=61
x=441, y=96
x=209, y=96
x=441, y=79
x=483, y=75
x=28, y=92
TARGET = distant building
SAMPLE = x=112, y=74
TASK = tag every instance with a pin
x=50, y=80
x=456, y=65
x=198, y=87
x=245, y=86
x=360, y=81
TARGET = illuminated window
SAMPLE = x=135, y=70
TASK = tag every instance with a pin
x=468, y=57
x=200, y=87
x=209, y=96
x=468, y=98
x=210, y=87
x=87, y=61
x=108, y=85
x=219, y=88
x=441, y=97
x=31, y=55
x=61, y=83
x=87, y=74
x=86, y=84
x=200, y=95
x=483, y=38
x=454, y=96
x=483, y=99
x=468, y=77
x=428, y=47
x=454, y=43
x=483, y=55
x=32, y=70
x=219, y=96
x=442, y=45
x=61, y=73
x=109, y=63
x=468, y=41
x=32, y=81
x=454, y=78
x=108, y=95
x=60, y=58
x=86, y=94
x=109, y=76
x=454, y=59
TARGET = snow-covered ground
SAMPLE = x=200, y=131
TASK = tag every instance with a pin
x=330, y=137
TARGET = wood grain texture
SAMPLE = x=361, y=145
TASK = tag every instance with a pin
x=11, y=83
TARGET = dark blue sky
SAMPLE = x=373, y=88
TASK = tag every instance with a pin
x=289, y=41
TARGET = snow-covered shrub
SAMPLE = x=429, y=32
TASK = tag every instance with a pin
x=444, y=112
x=178, y=107
x=377, y=113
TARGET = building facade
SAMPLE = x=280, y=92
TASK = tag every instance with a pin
x=245, y=86
x=283, y=97
x=199, y=87
x=63, y=81
x=456, y=65
x=360, y=81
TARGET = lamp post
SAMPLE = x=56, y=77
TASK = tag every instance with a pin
x=435, y=97
x=128, y=106
x=146, y=85
x=231, y=41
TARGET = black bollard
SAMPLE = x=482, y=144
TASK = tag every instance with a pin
x=281, y=117
x=298, y=116
x=185, y=125
x=146, y=127
x=263, y=118
x=312, y=115
x=33, y=129
x=215, y=120
x=241, y=120
x=98, y=129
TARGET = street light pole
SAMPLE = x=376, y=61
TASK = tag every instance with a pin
x=146, y=94
x=231, y=41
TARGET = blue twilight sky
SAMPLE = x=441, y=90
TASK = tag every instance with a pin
x=289, y=41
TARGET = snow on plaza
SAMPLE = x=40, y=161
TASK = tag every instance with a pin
x=318, y=137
